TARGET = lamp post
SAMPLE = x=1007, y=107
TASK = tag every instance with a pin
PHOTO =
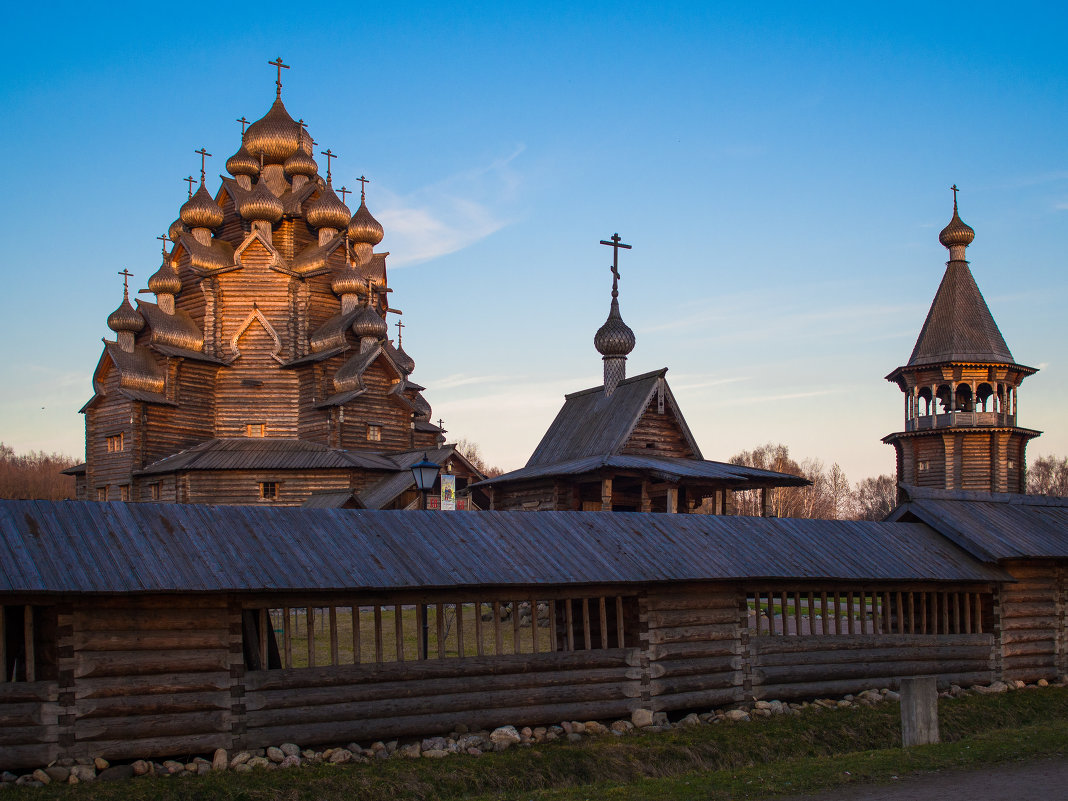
x=425, y=474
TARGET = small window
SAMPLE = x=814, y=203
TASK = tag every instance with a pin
x=268, y=490
x=1012, y=463
x=255, y=429
x=374, y=433
x=154, y=488
x=923, y=466
x=115, y=443
x=124, y=492
x=101, y=493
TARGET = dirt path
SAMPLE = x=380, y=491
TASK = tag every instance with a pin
x=1038, y=780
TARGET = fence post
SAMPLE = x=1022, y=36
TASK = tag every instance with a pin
x=919, y=711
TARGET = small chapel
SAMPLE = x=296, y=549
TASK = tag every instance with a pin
x=260, y=368
x=961, y=383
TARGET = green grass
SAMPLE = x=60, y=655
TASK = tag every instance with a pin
x=760, y=759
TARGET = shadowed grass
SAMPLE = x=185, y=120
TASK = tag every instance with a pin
x=766, y=757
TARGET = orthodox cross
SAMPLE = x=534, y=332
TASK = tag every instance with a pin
x=363, y=186
x=329, y=155
x=343, y=192
x=203, y=154
x=164, y=239
x=615, y=243
x=126, y=276
x=277, y=63
x=190, y=180
x=400, y=334
x=243, y=122
x=441, y=424
x=955, y=190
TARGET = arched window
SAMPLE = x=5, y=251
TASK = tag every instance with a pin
x=984, y=394
x=962, y=401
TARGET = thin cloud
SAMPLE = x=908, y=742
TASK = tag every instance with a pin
x=450, y=214
x=462, y=380
x=751, y=399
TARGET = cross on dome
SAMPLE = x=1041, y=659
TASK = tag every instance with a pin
x=277, y=63
x=164, y=239
x=344, y=192
x=244, y=124
x=189, y=179
x=126, y=276
x=203, y=153
x=615, y=243
x=400, y=334
x=329, y=155
x=363, y=186
x=955, y=190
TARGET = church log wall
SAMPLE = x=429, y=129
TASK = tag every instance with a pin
x=170, y=429
x=1032, y=618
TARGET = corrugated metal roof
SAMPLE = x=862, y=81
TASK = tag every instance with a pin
x=266, y=453
x=78, y=546
x=993, y=526
x=662, y=467
x=959, y=326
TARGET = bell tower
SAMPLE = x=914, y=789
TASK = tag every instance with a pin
x=961, y=385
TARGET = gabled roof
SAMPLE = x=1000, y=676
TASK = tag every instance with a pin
x=992, y=526
x=333, y=499
x=386, y=490
x=959, y=326
x=266, y=453
x=78, y=546
x=591, y=424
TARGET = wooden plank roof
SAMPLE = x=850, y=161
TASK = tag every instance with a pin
x=993, y=526
x=267, y=453
x=86, y=547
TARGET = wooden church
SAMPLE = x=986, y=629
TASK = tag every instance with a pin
x=262, y=371
x=960, y=384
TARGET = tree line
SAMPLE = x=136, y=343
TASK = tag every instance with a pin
x=35, y=475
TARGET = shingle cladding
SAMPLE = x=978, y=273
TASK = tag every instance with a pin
x=959, y=326
x=993, y=526
x=83, y=547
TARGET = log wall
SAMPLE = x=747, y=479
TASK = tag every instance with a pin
x=1031, y=614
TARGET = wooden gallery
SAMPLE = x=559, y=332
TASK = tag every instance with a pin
x=247, y=562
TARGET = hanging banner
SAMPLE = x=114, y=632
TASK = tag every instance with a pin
x=448, y=493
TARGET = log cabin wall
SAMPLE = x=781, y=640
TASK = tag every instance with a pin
x=108, y=418
x=1032, y=618
x=149, y=676
x=657, y=433
x=376, y=407
x=170, y=429
x=243, y=487
x=31, y=638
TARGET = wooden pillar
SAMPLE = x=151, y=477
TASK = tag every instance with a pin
x=763, y=501
x=647, y=502
x=606, y=495
x=493, y=498
x=919, y=711
x=31, y=657
x=949, y=448
x=672, y=500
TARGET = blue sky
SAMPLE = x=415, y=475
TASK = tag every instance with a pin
x=782, y=173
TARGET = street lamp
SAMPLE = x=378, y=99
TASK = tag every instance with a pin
x=425, y=474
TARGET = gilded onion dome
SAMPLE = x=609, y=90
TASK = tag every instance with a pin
x=176, y=230
x=126, y=318
x=300, y=163
x=201, y=210
x=404, y=361
x=165, y=280
x=261, y=204
x=957, y=232
x=614, y=338
x=243, y=163
x=327, y=211
x=347, y=281
x=275, y=136
x=369, y=324
x=365, y=228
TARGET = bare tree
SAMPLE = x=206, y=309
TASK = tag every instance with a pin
x=875, y=497
x=1048, y=475
x=35, y=475
x=473, y=453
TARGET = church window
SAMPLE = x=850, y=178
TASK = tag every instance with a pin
x=101, y=493
x=268, y=490
x=255, y=429
x=124, y=492
x=374, y=433
x=923, y=466
x=115, y=443
x=154, y=488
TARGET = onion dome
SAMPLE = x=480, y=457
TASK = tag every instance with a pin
x=243, y=163
x=327, y=211
x=365, y=228
x=369, y=324
x=957, y=232
x=165, y=280
x=300, y=163
x=201, y=210
x=125, y=318
x=404, y=361
x=275, y=136
x=176, y=230
x=615, y=337
x=347, y=281
x=261, y=204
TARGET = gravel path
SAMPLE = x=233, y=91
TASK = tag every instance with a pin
x=1039, y=780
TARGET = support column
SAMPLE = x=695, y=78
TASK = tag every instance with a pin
x=672, y=500
x=647, y=501
x=919, y=711
x=763, y=501
x=949, y=442
x=606, y=495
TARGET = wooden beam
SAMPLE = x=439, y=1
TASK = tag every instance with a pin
x=620, y=630
x=606, y=495
x=460, y=629
x=310, y=616
x=479, y=647
x=287, y=637
x=763, y=501
x=604, y=621
x=31, y=655
x=334, y=649
x=398, y=630
x=378, y=633
x=357, y=646
x=553, y=643
x=672, y=500
x=498, y=636
x=439, y=628
x=265, y=633
x=515, y=627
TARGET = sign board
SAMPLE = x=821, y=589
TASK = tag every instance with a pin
x=448, y=493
